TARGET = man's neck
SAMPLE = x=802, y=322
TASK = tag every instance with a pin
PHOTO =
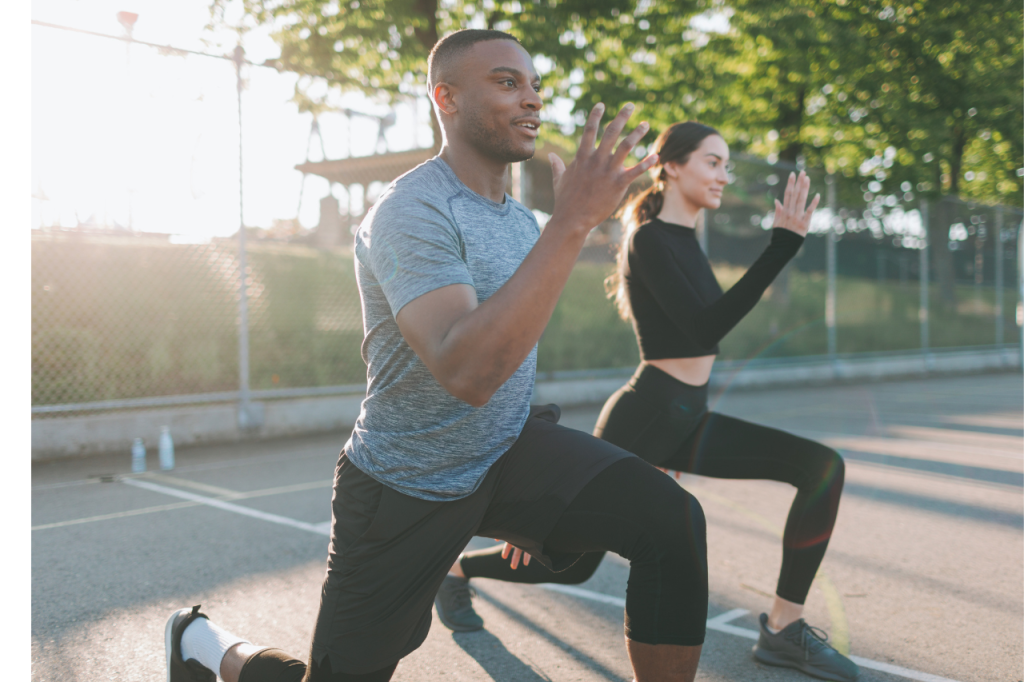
x=486, y=177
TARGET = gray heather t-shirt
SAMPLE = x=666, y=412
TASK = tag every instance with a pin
x=427, y=231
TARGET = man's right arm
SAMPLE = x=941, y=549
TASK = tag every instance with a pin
x=472, y=349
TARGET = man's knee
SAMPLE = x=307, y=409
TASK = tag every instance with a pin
x=674, y=526
x=668, y=583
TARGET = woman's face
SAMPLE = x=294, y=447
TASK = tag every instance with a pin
x=702, y=178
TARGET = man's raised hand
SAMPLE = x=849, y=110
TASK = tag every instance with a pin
x=592, y=186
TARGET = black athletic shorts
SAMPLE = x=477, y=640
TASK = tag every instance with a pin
x=389, y=552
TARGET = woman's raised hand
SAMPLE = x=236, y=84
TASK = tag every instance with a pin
x=791, y=214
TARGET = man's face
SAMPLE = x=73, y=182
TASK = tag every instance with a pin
x=498, y=101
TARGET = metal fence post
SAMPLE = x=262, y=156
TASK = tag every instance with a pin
x=246, y=416
x=1020, y=296
x=830, y=269
x=999, y=275
x=922, y=310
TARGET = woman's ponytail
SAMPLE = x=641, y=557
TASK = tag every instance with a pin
x=675, y=144
x=639, y=209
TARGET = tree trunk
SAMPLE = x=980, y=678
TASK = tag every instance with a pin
x=789, y=123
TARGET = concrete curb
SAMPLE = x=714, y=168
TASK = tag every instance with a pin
x=93, y=434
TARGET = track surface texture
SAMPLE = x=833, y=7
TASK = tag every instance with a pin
x=924, y=570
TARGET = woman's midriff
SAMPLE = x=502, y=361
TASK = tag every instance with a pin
x=692, y=371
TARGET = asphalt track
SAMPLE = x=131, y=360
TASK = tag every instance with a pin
x=924, y=578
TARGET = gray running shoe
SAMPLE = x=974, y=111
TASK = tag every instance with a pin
x=455, y=605
x=805, y=648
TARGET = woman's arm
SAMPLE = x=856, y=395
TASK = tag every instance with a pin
x=706, y=325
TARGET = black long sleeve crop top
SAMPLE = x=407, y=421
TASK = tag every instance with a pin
x=678, y=308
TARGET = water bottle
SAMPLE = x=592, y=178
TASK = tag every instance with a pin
x=138, y=456
x=166, y=449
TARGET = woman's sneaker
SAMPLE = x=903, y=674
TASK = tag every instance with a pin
x=805, y=648
x=455, y=605
x=179, y=670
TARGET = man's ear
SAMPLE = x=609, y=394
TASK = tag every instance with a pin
x=444, y=98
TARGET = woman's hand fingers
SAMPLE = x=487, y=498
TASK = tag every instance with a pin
x=780, y=215
x=806, y=218
x=803, y=188
x=787, y=196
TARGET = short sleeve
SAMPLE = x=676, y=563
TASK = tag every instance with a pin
x=413, y=248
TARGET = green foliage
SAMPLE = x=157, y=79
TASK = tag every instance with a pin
x=111, y=321
x=901, y=91
x=120, y=321
x=372, y=45
x=585, y=331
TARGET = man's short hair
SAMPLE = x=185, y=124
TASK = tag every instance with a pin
x=446, y=51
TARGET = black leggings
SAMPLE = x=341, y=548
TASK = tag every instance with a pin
x=666, y=422
x=630, y=508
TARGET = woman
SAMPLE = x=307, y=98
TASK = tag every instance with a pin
x=665, y=286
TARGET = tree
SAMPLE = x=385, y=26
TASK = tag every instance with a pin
x=930, y=98
x=376, y=46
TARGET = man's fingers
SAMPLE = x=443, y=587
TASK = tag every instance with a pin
x=515, y=558
x=526, y=559
x=590, y=129
x=505, y=550
x=557, y=168
x=615, y=128
x=627, y=144
x=631, y=174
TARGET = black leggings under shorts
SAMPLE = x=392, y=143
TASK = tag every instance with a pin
x=666, y=422
x=557, y=493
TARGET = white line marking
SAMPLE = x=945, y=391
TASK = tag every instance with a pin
x=317, y=528
x=719, y=623
x=116, y=515
x=584, y=594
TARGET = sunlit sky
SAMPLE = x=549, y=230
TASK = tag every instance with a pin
x=151, y=140
x=127, y=136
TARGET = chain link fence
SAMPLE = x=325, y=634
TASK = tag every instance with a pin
x=123, y=319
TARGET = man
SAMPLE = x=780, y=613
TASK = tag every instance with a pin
x=457, y=284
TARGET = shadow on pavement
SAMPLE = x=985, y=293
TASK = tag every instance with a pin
x=580, y=656
x=935, y=504
x=498, y=662
x=931, y=466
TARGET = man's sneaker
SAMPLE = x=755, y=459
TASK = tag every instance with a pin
x=455, y=605
x=179, y=670
x=805, y=648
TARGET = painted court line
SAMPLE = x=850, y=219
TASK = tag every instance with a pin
x=318, y=528
x=720, y=623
